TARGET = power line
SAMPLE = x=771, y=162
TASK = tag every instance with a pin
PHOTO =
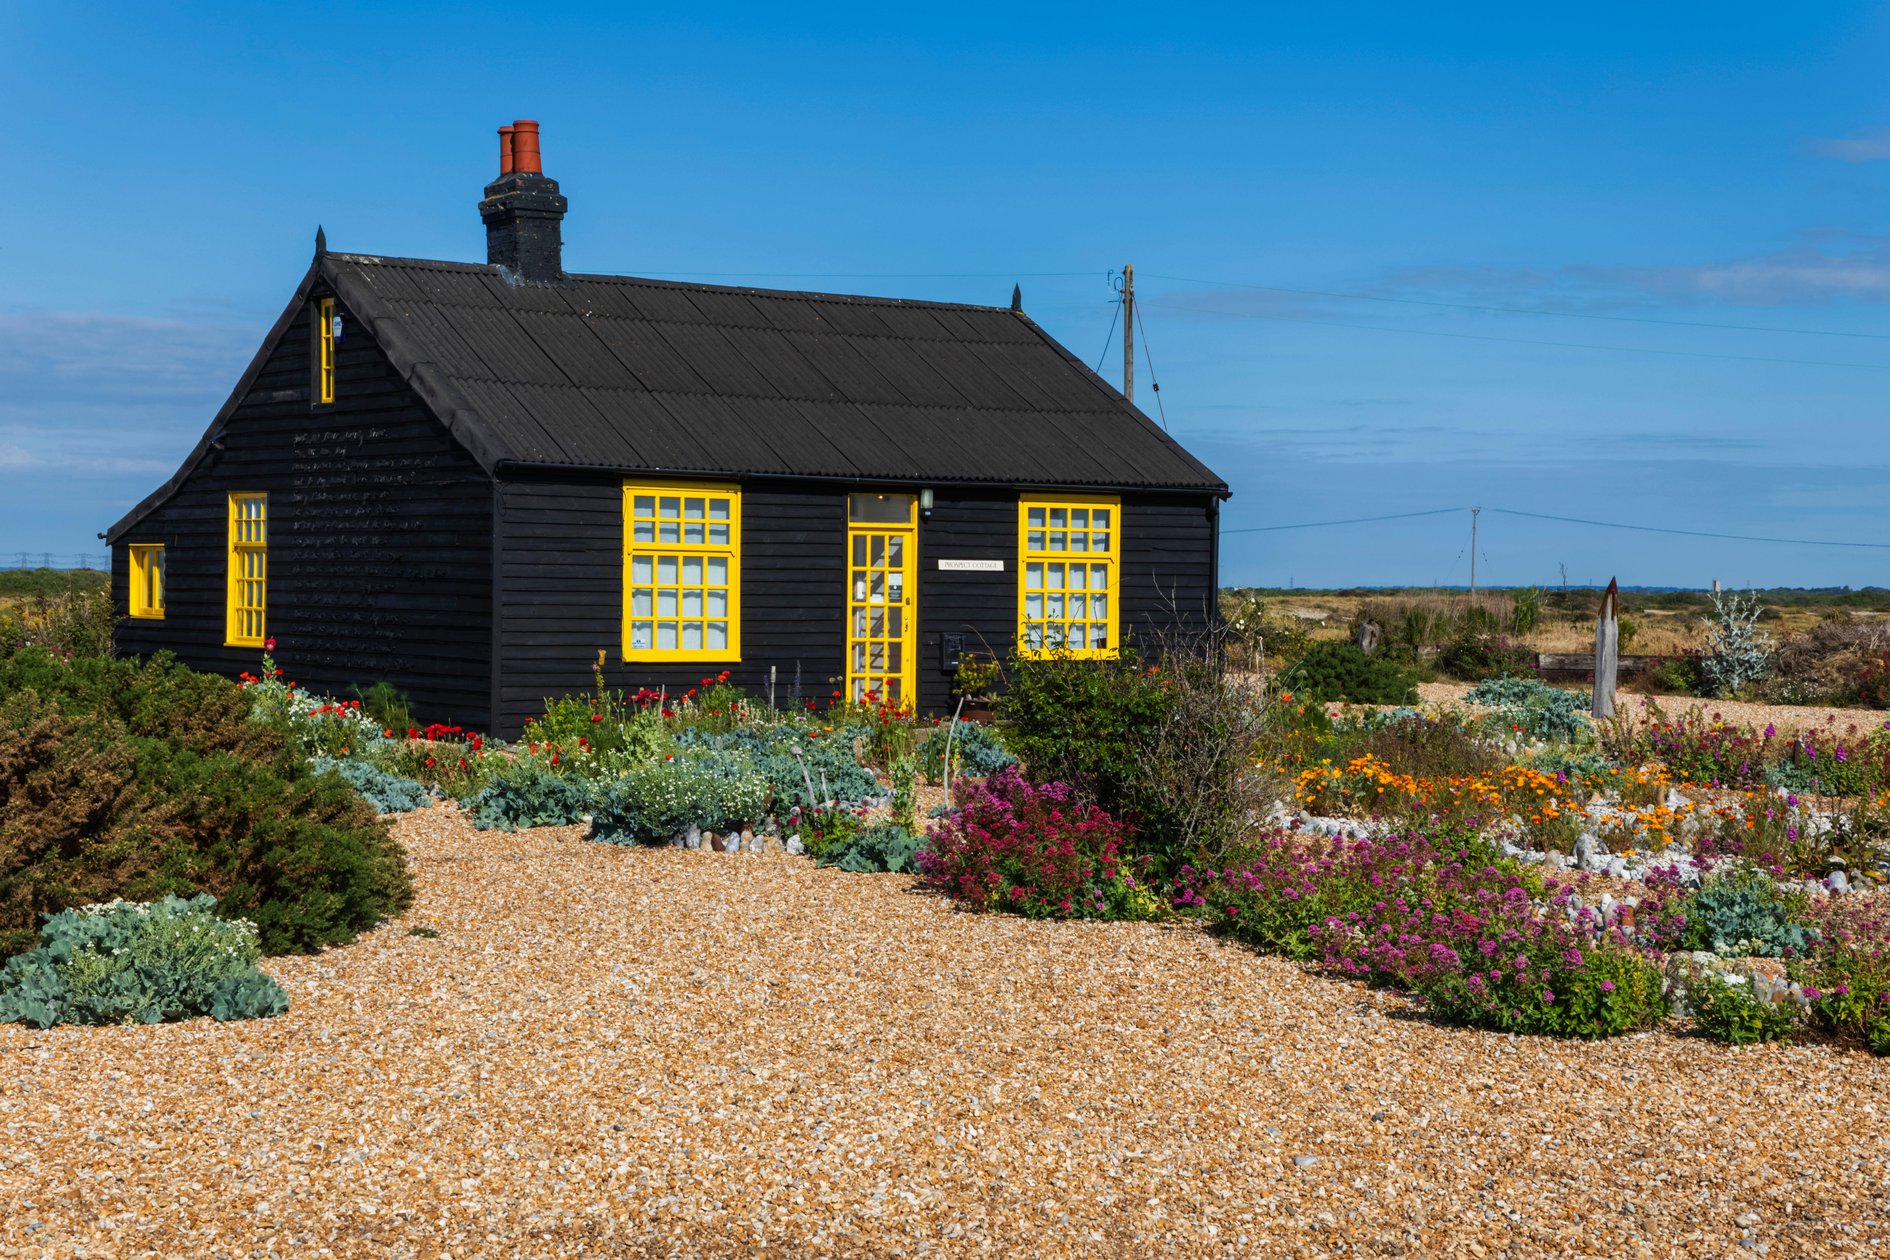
x=1578, y=345
x=1526, y=310
x=1153, y=382
x=1109, y=336
x=1571, y=520
x=1354, y=520
x=1693, y=533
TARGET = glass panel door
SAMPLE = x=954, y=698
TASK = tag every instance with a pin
x=882, y=536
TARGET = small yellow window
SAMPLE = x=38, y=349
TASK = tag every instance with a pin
x=249, y=569
x=325, y=350
x=147, y=580
x=682, y=573
x=1066, y=576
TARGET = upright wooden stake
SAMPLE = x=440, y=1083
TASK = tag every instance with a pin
x=1128, y=331
x=1607, y=651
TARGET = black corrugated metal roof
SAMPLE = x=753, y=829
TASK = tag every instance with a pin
x=651, y=375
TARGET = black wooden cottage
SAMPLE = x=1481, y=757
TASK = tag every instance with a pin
x=472, y=480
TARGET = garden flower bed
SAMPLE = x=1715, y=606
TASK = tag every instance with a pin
x=611, y=1051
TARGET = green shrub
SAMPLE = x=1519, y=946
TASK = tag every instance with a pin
x=1613, y=991
x=1675, y=675
x=131, y=963
x=825, y=759
x=976, y=752
x=1336, y=672
x=886, y=847
x=387, y=705
x=1080, y=722
x=388, y=793
x=1726, y=1009
x=529, y=792
x=134, y=780
x=1473, y=656
x=715, y=790
x=615, y=733
x=1740, y=914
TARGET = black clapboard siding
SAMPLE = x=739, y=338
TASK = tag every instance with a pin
x=380, y=533
x=560, y=567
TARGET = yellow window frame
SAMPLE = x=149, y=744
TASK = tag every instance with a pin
x=674, y=543
x=247, y=597
x=145, y=598
x=325, y=351
x=1047, y=572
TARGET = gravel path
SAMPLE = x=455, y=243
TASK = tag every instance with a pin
x=616, y=1052
x=1787, y=717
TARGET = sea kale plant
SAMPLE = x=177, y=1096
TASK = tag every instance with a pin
x=136, y=963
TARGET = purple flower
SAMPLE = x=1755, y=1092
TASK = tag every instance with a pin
x=1607, y=986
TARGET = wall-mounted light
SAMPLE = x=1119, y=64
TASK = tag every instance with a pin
x=925, y=504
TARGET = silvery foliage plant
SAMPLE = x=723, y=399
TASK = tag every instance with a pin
x=1738, y=653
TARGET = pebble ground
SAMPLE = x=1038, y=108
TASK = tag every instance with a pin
x=622, y=1052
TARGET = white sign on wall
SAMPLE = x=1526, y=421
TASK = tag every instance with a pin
x=972, y=566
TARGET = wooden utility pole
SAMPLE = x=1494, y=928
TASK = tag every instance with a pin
x=1473, y=551
x=1128, y=331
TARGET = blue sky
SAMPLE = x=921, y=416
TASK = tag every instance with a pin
x=1629, y=171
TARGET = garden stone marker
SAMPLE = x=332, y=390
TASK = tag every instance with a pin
x=1607, y=651
x=1367, y=637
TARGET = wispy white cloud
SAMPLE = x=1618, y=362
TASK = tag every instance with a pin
x=1862, y=146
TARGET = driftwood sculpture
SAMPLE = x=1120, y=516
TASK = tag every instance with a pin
x=1607, y=651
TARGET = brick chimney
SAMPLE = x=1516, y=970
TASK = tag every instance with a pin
x=523, y=211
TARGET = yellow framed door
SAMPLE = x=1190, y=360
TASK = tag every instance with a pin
x=882, y=565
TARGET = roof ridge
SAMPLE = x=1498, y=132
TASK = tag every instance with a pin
x=487, y=269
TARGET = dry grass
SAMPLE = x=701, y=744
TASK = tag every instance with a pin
x=616, y=1052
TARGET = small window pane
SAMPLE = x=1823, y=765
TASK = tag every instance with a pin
x=717, y=636
x=1099, y=517
x=1099, y=577
x=639, y=634
x=671, y=506
x=691, y=603
x=692, y=534
x=1079, y=518
x=643, y=532
x=666, y=570
x=669, y=532
x=716, y=570
x=1059, y=540
x=1059, y=518
x=665, y=636
x=716, y=603
x=1034, y=517
x=1099, y=607
x=1079, y=542
x=666, y=602
x=718, y=509
x=1035, y=542
x=645, y=505
x=1101, y=541
x=692, y=509
x=641, y=569
x=640, y=602
x=1054, y=572
x=692, y=634
x=1033, y=576
x=692, y=571
x=718, y=535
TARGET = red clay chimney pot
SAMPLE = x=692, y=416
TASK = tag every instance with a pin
x=505, y=150
x=525, y=156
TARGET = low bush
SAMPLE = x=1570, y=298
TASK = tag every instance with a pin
x=528, y=791
x=388, y=793
x=387, y=705
x=1082, y=722
x=715, y=790
x=1672, y=675
x=1438, y=746
x=1035, y=851
x=977, y=752
x=1475, y=656
x=1726, y=1009
x=1334, y=672
x=887, y=847
x=1847, y=978
x=825, y=828
x=67, y=617
x=140, y=779
x=132, y=963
